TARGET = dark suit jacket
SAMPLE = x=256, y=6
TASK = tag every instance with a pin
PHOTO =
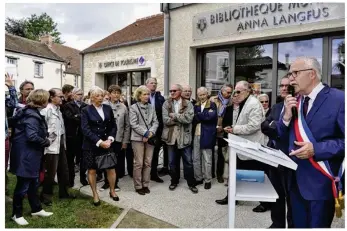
x=94, y=128
x=72, y=119
x=159, y=101
x=326, y=120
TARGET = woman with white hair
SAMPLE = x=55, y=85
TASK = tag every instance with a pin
x=99, y=132
x=74, y=137
x=144, y=124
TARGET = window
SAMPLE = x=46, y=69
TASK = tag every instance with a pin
x=338, y=63
x=216, y=71
x=76, y=81
x=38, y=70
x=11, y=60
x=289, y=51
x=254, y=65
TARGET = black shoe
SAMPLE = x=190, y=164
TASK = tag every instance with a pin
x=104, y=187
x=163, y=171
x=146, y=190
x=140, y=191
x=193, y=189
x=157, y=179
x=220, y=180
x=98, y=203
x=68, y=196
x=260, y=209
x=223, y=201
x=84, y=182
x=199, y=182
x=172, y=186
x=207, y=185
x=115, y=198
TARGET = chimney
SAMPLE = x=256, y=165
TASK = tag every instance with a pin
x=46, y=39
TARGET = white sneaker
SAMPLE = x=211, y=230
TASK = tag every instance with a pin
x=117, y=189
x=20, y=220
x=42, y=213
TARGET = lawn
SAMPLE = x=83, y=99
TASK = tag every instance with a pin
x=68, y=213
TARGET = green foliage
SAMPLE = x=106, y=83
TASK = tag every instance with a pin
x=34, y=27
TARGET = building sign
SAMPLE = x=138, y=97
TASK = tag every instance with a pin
x=242, y=18
x=124, y=62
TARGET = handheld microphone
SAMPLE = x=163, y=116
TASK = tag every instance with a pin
x=291, y=91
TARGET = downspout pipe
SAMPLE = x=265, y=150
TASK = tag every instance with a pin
x=82, y=71
x=166, y=47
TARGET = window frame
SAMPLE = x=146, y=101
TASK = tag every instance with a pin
x=40, y=75
x=326, y=58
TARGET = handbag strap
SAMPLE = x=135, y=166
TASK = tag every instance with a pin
x=142, y=116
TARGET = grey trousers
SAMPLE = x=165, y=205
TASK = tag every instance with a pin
x=202, y=162
x=143, y=153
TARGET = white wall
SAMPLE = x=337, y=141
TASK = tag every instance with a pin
x=25, y=70
x=70, y=79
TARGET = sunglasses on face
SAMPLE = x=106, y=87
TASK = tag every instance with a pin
x=173, y=91
x=264, y=101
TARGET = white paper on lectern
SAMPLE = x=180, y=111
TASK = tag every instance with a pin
x=260, y=153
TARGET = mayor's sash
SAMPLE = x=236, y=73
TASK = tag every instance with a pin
x=303, y=134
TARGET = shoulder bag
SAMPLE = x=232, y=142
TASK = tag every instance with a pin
x=153, y=140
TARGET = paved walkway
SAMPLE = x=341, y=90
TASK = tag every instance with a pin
x=184, y=209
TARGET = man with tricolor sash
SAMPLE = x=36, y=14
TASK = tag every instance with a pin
x=316, y=134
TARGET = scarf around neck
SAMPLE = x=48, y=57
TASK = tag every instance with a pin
x=224, y=104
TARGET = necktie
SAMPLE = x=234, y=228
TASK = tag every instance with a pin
x=306, y=105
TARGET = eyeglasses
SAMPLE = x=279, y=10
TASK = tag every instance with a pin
x=264, y=101
x=79, y=94
x=295, y=73
x=283, y=85
x=29, y=89
x=173, y=91
x=238, y=92
x=229, y=92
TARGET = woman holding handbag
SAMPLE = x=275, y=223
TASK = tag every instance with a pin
x=99, y=130
x=144, y=124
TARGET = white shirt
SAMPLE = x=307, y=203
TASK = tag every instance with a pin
x=313, y=95
x=203, y=106
x=177, y=105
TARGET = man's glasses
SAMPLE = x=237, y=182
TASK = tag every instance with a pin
x=173, y=91
x=264, y=101
x=238, y=92
x=295, y=73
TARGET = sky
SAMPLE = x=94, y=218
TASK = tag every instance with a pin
x=83, y=24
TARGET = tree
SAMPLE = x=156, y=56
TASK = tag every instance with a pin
x=34, y=27
x=16, y=27
x=250, y=52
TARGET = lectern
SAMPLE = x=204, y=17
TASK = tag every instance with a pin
x=252, y=191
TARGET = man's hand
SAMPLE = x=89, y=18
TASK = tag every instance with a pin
x=8, y=80
x=105, y=144
x=124, y=146
x=304, y=152
x=228, y=129
x=144, y=139
x=289, y=103
x=219, y=129
x=171, y=115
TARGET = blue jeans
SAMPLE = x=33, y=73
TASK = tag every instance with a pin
x=26, y=186
x=174, y=158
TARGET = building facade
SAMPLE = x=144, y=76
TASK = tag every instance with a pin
x=213, y=44
x=127, y=57
x=43, y=62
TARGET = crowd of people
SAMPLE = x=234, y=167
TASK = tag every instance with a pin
x=60, y=132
